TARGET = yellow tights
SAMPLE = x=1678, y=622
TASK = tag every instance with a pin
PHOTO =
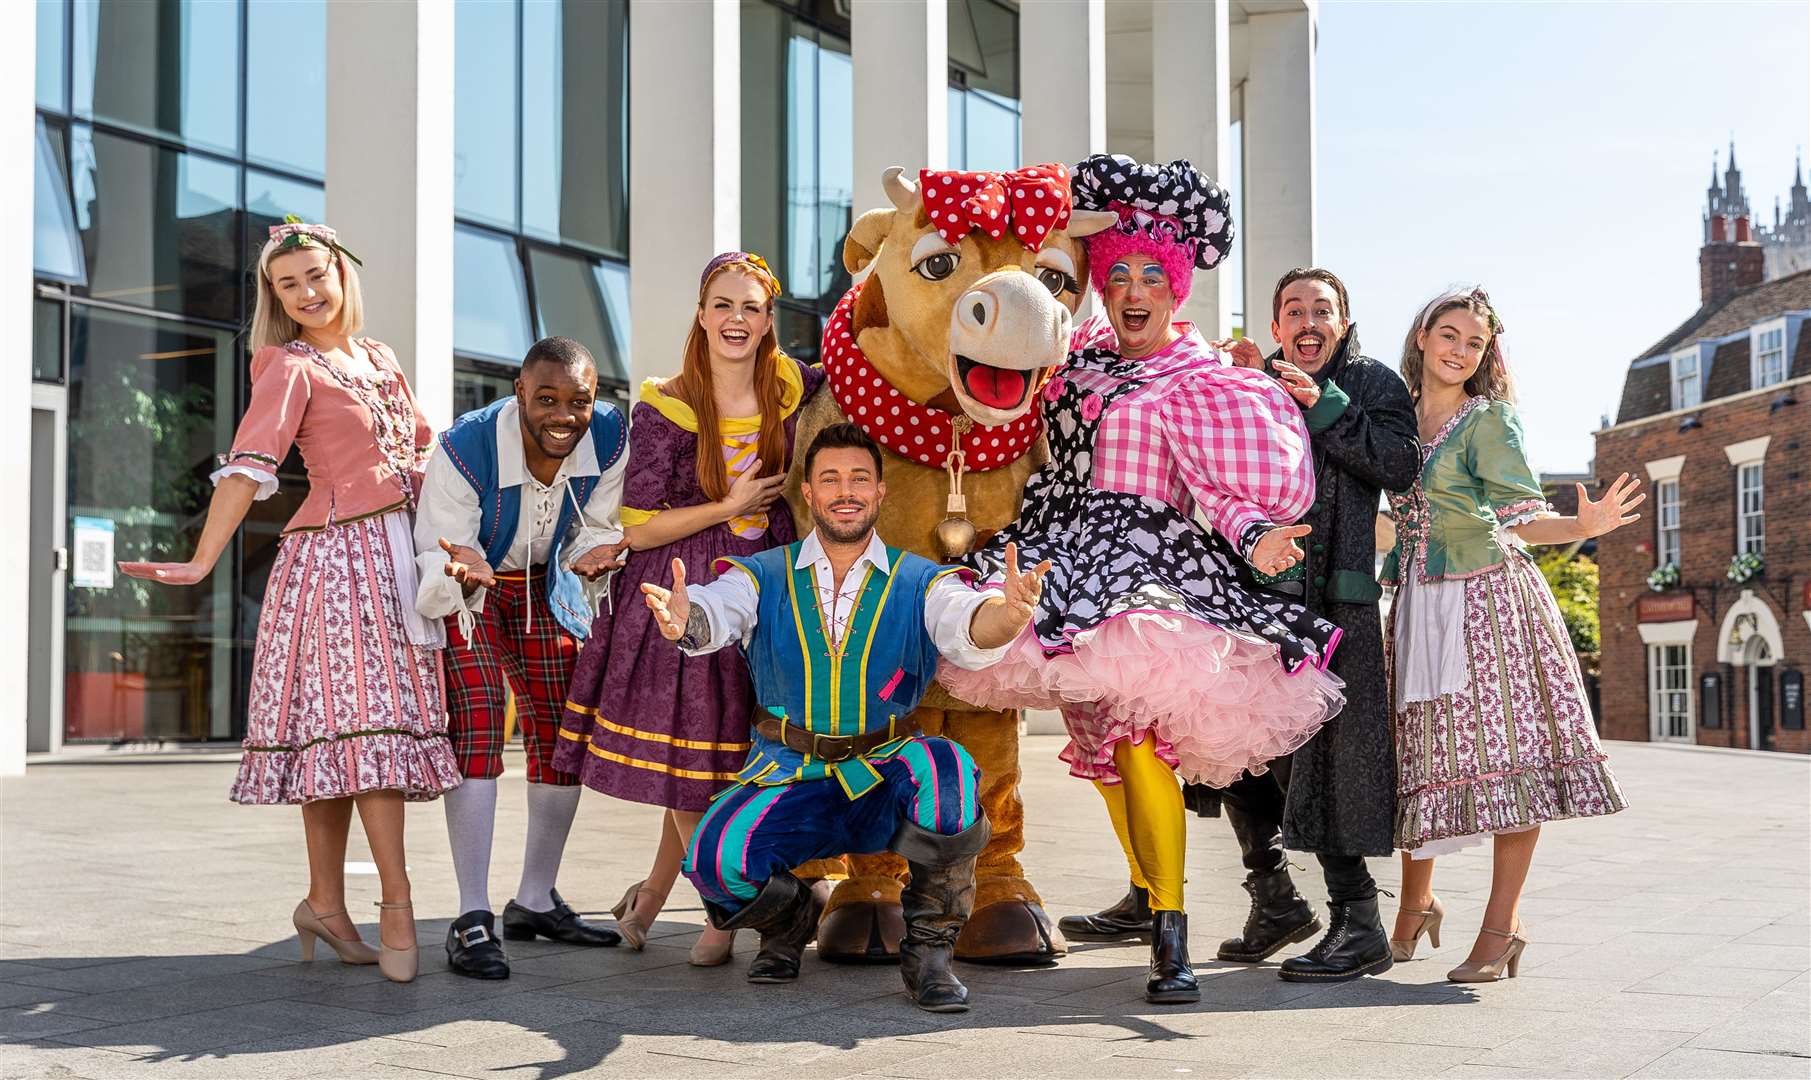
x=1148, y=818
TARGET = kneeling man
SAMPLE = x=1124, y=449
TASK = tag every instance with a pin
x=843, y=636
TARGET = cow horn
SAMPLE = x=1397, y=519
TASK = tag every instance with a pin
x=901, y=191
x=1088, y=222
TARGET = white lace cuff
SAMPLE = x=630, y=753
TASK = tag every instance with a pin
x=267, y=481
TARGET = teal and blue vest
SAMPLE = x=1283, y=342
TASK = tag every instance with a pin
x=872, y=683
x=471, y=445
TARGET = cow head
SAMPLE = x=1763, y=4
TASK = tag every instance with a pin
x=974, y=323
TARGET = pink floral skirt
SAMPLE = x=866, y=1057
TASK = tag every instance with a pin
x=1512, y=743
x=341, y=702
x=1217, y=703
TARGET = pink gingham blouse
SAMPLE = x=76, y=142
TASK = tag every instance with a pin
x=1201, y=433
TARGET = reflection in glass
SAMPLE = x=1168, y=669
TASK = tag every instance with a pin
x=992, y=132
x=477, y=384
x=56, y=245
x=170, y=67
x=958, y=128
x=150, y=402
x=983, y=38
x=285, y=102
x=490, y=298
x=46, y=340
x=53, y=54
x=575, y=123
x=569, y=302
x=268, y=198
x=614, y=279
x=159, y=228
x=484, y=112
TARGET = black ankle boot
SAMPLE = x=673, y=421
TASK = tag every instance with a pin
x=1355, y=945
x=1279, y=916
x=785, y=912
x=1129, y=918
x=1171, y=981
x=936, y=904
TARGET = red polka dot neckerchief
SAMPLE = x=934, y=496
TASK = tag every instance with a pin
x=919, y=432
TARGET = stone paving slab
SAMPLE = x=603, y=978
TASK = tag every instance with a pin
x=144, y=934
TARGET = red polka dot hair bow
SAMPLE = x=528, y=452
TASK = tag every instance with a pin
x=1028, y=204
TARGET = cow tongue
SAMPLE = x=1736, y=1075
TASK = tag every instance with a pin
x=997, y=388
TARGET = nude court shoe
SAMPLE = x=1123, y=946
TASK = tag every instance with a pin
x=1503, y=967
x=633, y=930
x=309, y=927
x=398, y=965
x=717, y=955
x=1430, y=925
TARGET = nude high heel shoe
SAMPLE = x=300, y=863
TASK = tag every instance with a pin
x=1430, y=925
x=717, y=955
x=633, y=930
x=398, y=965
x=309, y=927
x=1503, y=967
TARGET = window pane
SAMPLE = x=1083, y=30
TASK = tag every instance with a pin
x=800, y=332
x=477, y=384
x=46, y=340
x=268, y=198
x=575, y=123
x=56, y=244
x=53, y=53
x=996, y=30
x=835, y=166
x=484, y=112
x=614, y=278
x=766, y=49
x=150, y=402
x=569, y=301
x=958, y=125
x=172, y=226
x=801, y=168
x=490, y=298
x=285, y=103
x=993, y=133
x=169, y=67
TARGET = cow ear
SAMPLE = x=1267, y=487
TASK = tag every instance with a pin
x=863, y=242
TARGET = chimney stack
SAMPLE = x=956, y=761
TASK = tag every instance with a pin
x=1743, y=235
x=1719, y=229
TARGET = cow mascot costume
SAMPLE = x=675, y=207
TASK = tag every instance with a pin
x=973, y=279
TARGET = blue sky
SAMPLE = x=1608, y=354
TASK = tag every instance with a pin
x=1556, y=153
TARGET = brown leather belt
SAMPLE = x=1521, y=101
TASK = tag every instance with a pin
x=830, y=748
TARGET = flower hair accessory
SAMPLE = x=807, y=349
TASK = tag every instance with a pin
x=739, y=258
x=296, y=233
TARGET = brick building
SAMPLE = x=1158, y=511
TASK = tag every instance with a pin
x=1716, y=420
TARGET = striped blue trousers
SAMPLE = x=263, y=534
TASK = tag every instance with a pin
x=752, y=832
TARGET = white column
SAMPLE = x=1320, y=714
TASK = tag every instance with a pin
x=1279, y=159
x=18, y=138
x=1065, y=105
x=1191, y=114
x=900, y=52
x=685, y=166
x=390, y=177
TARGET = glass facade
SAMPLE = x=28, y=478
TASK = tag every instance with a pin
x=540, y=187
x=152, y=193
x=984, y=108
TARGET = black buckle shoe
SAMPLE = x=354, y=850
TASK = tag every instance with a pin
x=1130, y=918
x=472, y=948
x=1279, y=916
x=1171, y=980
x=560, y=924
x=1355, y=945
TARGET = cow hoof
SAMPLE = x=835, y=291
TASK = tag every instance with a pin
x=861, y=933
x=1011, y=932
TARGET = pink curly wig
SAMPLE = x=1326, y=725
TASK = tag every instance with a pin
x=1107, y=247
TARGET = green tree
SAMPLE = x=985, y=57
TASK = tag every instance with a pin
x=1573, y=579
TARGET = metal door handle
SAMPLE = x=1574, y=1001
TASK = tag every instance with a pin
x=59, y=559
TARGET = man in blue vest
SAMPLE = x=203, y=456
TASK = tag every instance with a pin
x=843, y=636
x=520, y=509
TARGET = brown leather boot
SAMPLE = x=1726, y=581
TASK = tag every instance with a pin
x=937, y=902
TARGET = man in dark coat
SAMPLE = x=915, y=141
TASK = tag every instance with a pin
x=1336, y=796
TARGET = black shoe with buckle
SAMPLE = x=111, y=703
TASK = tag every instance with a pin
x=560, y=924
x=472, y=948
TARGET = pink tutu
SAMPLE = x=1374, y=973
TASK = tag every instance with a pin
x=1218, y=704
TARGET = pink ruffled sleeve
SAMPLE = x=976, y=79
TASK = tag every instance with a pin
x=1241, y=446
x=280, y=392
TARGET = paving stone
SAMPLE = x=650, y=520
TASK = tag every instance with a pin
x=1699, y=980
x=1584, y=1047
x=1692, y=1063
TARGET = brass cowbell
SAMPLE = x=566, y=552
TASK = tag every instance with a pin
x=955, y=534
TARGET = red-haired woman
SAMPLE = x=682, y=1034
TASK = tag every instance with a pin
x=708, y=453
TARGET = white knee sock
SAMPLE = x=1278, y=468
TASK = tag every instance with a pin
x=471, y=818
x=550, y=813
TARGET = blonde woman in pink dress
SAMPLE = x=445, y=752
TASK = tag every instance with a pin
x=347, y=705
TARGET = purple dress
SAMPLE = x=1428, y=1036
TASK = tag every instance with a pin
x=643, y=721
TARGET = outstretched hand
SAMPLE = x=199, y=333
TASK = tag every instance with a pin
x=1276, y=551
x=1614, y=510
x=600, y=560
x=1022, y=589
x=672, y=608
x=167, y=573
x=1244, y=352
x=467, y=566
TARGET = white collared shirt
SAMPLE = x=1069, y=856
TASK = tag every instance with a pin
x=449, y=508
x=731, y=604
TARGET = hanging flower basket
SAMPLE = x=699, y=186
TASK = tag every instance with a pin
x=1745, y=566
x=1664, y=578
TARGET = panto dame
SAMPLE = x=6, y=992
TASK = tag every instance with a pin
x=1494, y=736
x=843, y=635
x=346, y=709
x=518, y=511
x=711, y=447
x=1163, y=659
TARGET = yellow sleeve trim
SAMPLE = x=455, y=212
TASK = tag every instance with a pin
x=792, y=392
x=632, y=516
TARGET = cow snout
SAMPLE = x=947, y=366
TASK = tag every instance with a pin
x=1008, y=319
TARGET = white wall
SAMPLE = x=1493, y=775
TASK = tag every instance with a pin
x=18, y=91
